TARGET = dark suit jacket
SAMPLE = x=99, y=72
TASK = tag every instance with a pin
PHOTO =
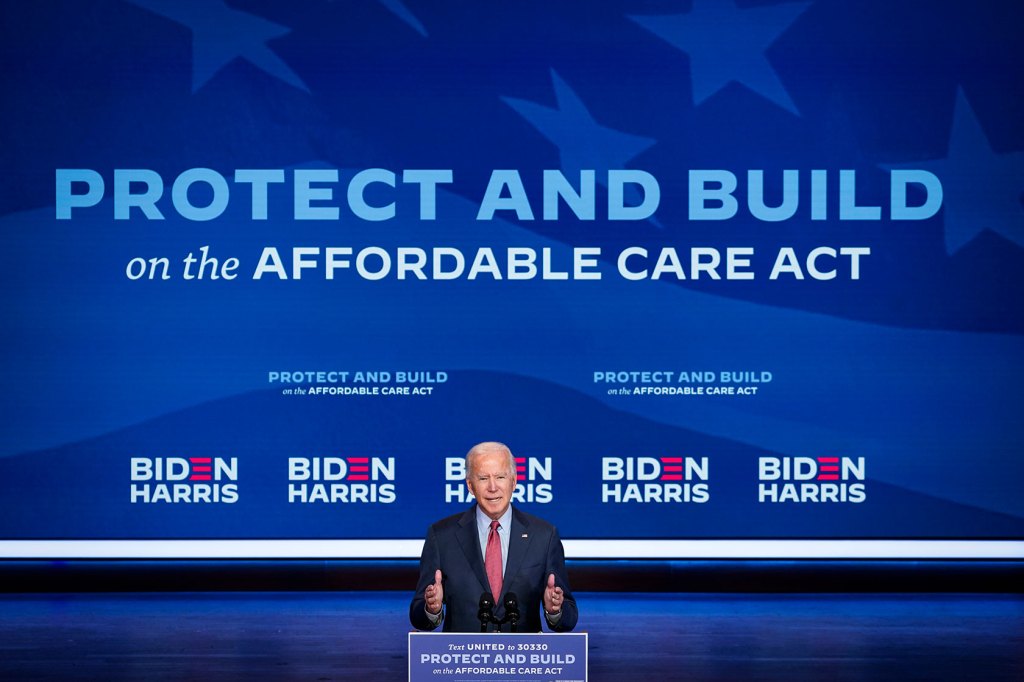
x=534, y=552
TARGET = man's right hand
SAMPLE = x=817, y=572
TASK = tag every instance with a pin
x=434, y=594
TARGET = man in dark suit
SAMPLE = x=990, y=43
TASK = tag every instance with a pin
x=492, y=548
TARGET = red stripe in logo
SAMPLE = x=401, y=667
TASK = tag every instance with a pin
x=828, y=468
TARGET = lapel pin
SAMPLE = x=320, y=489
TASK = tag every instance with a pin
x=525, y=535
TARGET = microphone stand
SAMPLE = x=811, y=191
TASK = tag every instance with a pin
x=512, y=610
x=486, y=611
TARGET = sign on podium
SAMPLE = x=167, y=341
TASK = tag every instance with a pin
x=504, y=657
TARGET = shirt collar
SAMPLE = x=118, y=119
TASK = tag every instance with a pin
x=483, y=521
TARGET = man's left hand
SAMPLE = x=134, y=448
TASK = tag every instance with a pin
x=553, y=597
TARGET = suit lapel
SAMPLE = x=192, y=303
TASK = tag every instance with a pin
x=518, y=543
x=469, y=541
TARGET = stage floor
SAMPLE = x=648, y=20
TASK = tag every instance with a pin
x=362, y=635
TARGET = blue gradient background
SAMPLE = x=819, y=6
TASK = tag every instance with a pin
x=917, y=366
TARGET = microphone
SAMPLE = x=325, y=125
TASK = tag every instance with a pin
x=486, y=611
x=512, y=609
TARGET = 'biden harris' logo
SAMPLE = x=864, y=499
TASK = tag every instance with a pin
x=341, y=480
x=654, y=480
x=804, y=480
x=184, y=480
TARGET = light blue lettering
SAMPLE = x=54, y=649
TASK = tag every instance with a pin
x=790, y=196
x=305, y=194
x=848, y=208
x=581, y=204
x=494, y=201
x=259, y=179
x=701, y=194
x=66, y=199
x=124, y=199
x=179, y=194
x=356, y=200
x=428, y=181
x=819, y=194
x=617, y=209
x=898, y=182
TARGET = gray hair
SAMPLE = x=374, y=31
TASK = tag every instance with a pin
x=486, y=447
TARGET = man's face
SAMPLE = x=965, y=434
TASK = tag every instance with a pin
x=492, y=483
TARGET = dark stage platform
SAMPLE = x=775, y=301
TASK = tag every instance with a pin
x=362, y=635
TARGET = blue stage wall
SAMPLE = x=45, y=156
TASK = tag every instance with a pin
x=745, y=272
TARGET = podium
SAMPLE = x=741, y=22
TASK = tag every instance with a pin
x=498, y=656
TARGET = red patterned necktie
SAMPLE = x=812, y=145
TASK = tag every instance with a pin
x=492, y=560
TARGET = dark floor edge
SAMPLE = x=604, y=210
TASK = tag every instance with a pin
x=585, y=575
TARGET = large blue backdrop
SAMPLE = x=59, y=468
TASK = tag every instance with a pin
x=725, y=270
